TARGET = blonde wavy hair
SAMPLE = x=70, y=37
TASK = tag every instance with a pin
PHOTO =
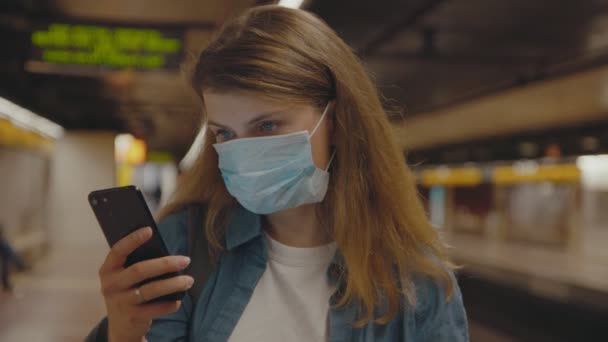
x=372, y=208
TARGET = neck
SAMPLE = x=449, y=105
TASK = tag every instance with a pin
x=297, y=227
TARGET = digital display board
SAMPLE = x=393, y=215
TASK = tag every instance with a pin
x=107, y=46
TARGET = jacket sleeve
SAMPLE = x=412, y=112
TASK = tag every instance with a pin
x=437, y=319
x=172, y=327
x=99, y=333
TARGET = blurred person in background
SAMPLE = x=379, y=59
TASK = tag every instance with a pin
x=311, y=215
x=9, y=258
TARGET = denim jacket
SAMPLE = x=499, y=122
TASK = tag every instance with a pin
x=230, y=286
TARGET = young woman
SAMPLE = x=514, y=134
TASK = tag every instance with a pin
x=311, y=214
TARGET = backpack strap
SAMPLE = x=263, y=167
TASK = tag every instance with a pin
x=198, y=249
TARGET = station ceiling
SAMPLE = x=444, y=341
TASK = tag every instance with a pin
x=424, y=54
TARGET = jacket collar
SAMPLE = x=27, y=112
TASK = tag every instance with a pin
x=243, y=227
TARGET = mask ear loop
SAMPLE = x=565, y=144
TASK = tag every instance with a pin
x=321, y=119
x=333, y=154
x=317, y=126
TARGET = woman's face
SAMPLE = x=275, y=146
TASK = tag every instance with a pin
x=236, y=115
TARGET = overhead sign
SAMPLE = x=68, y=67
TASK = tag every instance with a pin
x=107, y=46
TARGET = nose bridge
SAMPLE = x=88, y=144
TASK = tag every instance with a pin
x=243, y=132
x=247, y=132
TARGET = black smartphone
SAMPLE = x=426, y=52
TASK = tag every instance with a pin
x=122, y=210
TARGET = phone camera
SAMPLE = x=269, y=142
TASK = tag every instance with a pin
x=105, y=200
x=94, y=201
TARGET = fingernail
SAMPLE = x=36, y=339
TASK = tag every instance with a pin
x=142, y=232
x=189, y=282
x=184, y=261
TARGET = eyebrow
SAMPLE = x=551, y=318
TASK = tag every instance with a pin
x=258, y=118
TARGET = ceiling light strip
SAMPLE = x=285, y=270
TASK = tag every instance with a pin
x=25, y=119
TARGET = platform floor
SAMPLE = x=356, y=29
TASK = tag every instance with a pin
x=58, y=300
x=574, y=274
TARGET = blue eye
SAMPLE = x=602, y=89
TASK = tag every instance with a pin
x=224, y=135
x=268, y=126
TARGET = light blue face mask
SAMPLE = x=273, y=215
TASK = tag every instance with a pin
x=270, y=174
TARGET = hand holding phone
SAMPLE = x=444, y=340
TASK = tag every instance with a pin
x=140, y=281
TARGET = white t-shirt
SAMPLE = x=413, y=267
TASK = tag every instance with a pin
x=291, y=299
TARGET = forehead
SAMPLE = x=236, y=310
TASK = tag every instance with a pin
x=234, y=109
x=227, y=105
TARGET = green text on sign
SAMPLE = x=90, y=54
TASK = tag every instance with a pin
x=109, y=46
